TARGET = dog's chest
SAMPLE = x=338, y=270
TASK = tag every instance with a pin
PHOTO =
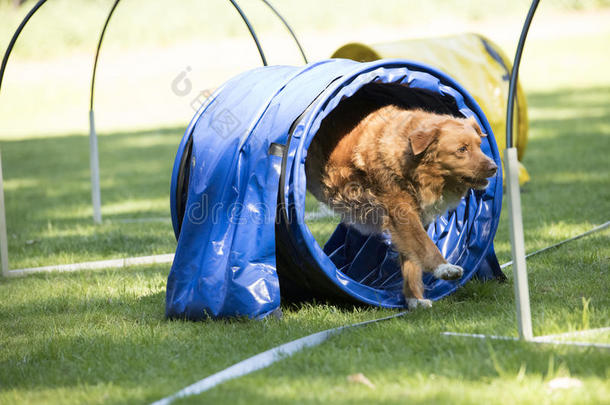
x=447, y=201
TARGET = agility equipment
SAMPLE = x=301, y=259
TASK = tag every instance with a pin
x=238, y=197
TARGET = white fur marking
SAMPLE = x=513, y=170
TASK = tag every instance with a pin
x=448, y=271
x=414, y=303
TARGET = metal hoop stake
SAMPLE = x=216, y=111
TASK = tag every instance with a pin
x=522, y=300
x=94, y=162
x=3, y=238
x=511, y=163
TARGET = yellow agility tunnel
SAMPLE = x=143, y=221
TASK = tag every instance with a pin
x=474, y=61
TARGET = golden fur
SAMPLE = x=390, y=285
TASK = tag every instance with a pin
x=397, y=170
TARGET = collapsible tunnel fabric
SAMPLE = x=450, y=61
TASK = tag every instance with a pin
x=238, y=205
x=475, y=61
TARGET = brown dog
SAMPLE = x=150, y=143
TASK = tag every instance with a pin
x=397, y=170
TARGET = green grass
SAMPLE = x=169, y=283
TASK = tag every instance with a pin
x=101, y=336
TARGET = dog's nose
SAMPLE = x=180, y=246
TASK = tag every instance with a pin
x=491, y=169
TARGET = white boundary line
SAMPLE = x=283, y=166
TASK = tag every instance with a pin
x=539, y=339
x=263, y=360
x=102, y=264
x=582, y=235
x=577, y=333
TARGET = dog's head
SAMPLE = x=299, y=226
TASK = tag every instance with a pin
x=454, y=146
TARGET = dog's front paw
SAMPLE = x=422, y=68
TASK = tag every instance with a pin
x=448, y=271
x=415, y=302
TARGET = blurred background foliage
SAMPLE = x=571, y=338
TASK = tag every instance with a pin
x=158, y=22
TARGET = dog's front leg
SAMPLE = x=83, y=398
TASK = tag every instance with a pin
x=413, y=287
x=418, y=253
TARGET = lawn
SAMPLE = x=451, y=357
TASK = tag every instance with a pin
x=101, y=336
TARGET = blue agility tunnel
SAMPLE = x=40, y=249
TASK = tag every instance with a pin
x=238, y=196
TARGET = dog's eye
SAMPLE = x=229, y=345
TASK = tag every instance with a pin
x=463, y=149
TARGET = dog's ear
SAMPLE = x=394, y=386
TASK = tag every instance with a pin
x=421, y=138
x=473, y=122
